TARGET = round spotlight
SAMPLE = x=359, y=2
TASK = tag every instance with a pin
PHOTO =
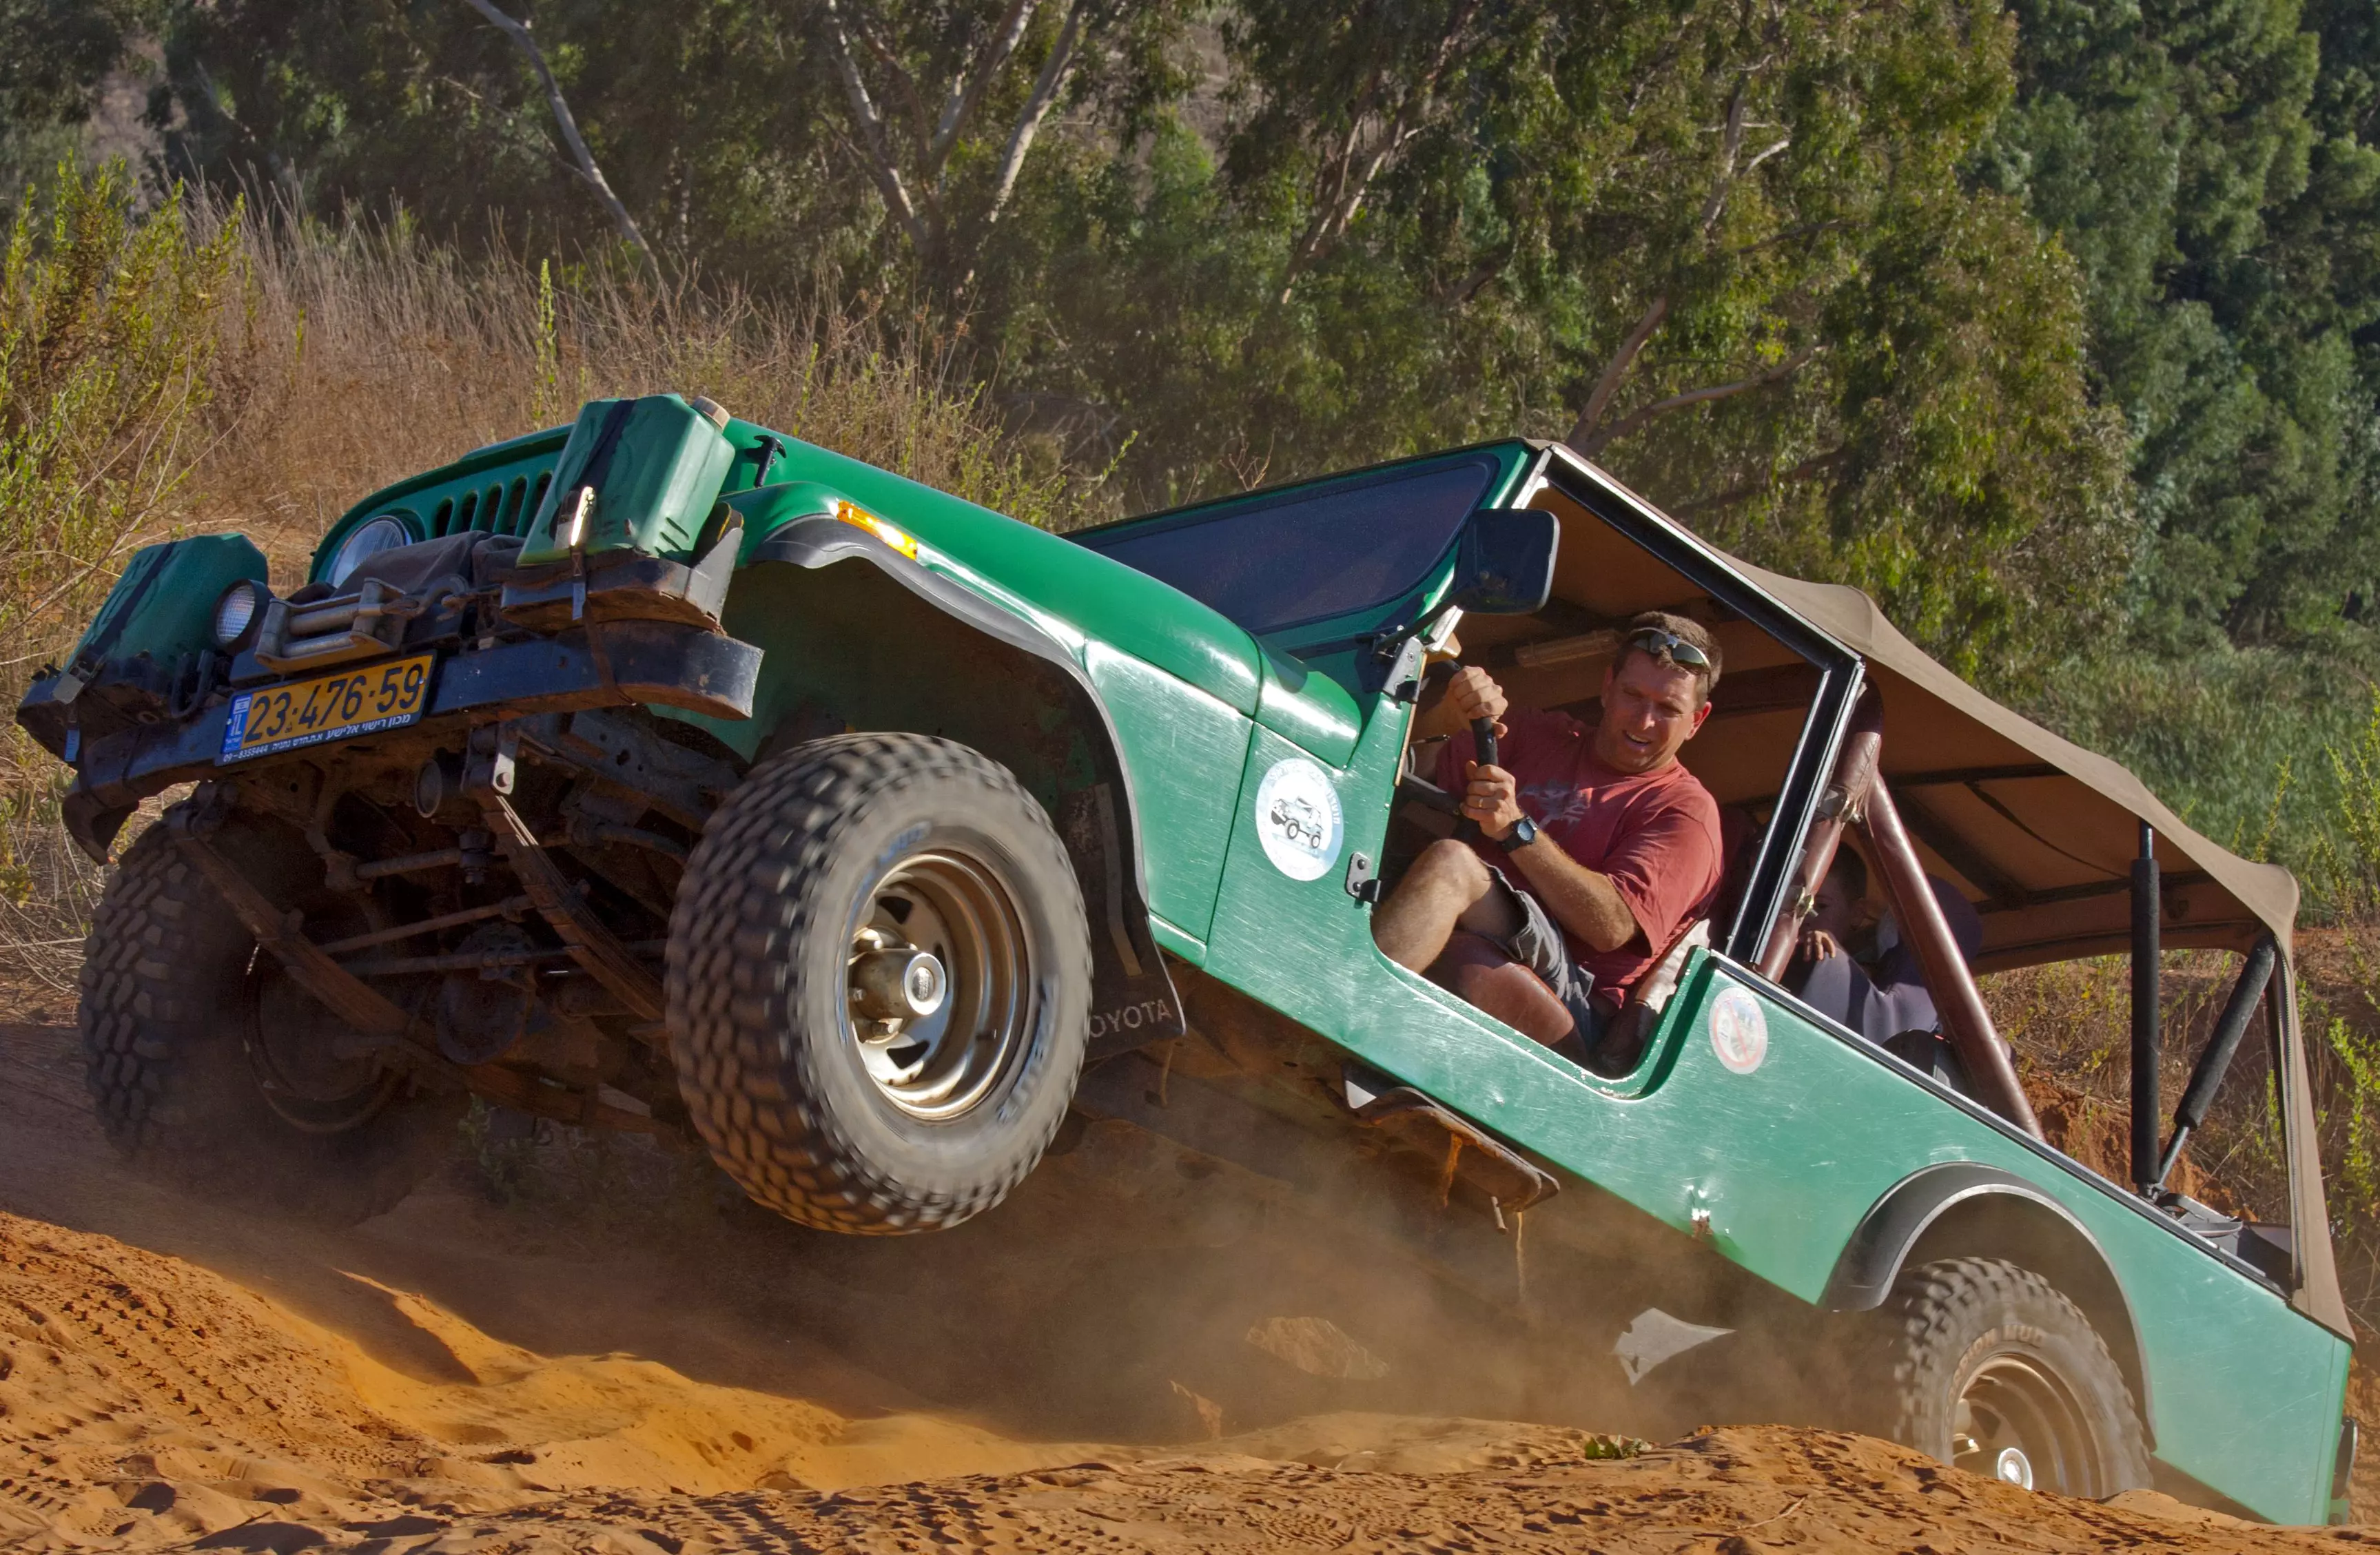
x=383, y=533
x=239, y=612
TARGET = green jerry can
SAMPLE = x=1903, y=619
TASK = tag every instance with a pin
x=631, y=517
x=164, y=606
x=142, y=654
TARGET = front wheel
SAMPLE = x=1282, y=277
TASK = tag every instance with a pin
x=1985, y=1365
x=878, y=984
x=213, y=1072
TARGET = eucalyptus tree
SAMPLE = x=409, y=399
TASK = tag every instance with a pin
x=700, y=118
x=55, y=57
x=1722, y=246
x=946, y=101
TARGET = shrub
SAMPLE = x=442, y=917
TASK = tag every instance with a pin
x=108, y=335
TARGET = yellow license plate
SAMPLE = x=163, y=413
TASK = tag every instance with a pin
x=337, y=705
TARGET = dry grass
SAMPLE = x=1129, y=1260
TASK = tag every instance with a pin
x=2071, y=1023
x=315, y=365
x=363, y=355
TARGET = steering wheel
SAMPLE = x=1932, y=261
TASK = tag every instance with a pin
x=1483, y=736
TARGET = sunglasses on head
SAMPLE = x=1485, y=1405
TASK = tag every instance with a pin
x=1669, y=645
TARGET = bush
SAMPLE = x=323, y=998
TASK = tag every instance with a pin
x=107, y=336
x=2257, y=748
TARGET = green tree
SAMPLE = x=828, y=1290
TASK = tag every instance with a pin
x=54, y=56
x=874, y=142
x=2212, y=164
x=701, y=118
x=945, y=103
x=1724, y=247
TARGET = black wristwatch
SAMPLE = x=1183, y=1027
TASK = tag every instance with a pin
x=1523, y=834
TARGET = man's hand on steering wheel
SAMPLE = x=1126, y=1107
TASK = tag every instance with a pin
x=1473, y=695
x=1493, y=801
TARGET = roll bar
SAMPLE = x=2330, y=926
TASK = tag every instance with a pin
x=1856, y=793
x=2147, y=1045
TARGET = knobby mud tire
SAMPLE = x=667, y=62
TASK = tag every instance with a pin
x=1946, y=1321
x=165, y=1063
x=758, y=994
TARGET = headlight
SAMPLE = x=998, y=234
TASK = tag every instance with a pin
x=238, y=612
x=383, y=533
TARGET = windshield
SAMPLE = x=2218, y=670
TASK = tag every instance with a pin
x=1283, y=559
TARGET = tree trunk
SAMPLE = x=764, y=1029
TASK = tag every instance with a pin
x=519, y=33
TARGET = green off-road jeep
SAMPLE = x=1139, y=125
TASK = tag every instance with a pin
x=664, y=773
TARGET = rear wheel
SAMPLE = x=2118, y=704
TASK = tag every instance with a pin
x=212, y=1072
x=878, y=984
x=1985, y=1365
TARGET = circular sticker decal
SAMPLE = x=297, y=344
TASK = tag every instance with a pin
x=1299, y=820
x=1738, y=1031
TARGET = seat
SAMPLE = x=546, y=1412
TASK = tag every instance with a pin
x=1622, y=1046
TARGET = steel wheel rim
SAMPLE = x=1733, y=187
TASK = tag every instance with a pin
x=962, y=910
x=306, y=1095
x=2019, y=1423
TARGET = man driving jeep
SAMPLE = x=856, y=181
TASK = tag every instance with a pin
x=1594, y=846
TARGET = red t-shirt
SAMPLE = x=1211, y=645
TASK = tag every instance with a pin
x=1655, y=834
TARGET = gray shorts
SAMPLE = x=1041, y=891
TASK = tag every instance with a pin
x=1538, y=944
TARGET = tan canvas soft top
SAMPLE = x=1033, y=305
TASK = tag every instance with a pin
x=2041, y=820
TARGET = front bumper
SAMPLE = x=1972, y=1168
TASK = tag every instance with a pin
x=607, y=665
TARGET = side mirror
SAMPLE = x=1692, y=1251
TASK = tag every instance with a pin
x=1504, y=562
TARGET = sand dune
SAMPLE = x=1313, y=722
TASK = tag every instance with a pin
x=177, y=1374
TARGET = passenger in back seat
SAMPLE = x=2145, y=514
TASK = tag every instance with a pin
x=1837, y=930
x=1596, y=845
x=1880, y=992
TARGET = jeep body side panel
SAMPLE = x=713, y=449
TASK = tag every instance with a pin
x=1314, y=710
x=1185, y=750
x=1786, y=1160
x=1789, y=1157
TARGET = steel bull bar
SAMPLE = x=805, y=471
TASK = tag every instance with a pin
x=611, y=665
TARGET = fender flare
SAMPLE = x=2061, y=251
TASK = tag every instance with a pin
x=1986, y=1211
x=1133, y=1000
